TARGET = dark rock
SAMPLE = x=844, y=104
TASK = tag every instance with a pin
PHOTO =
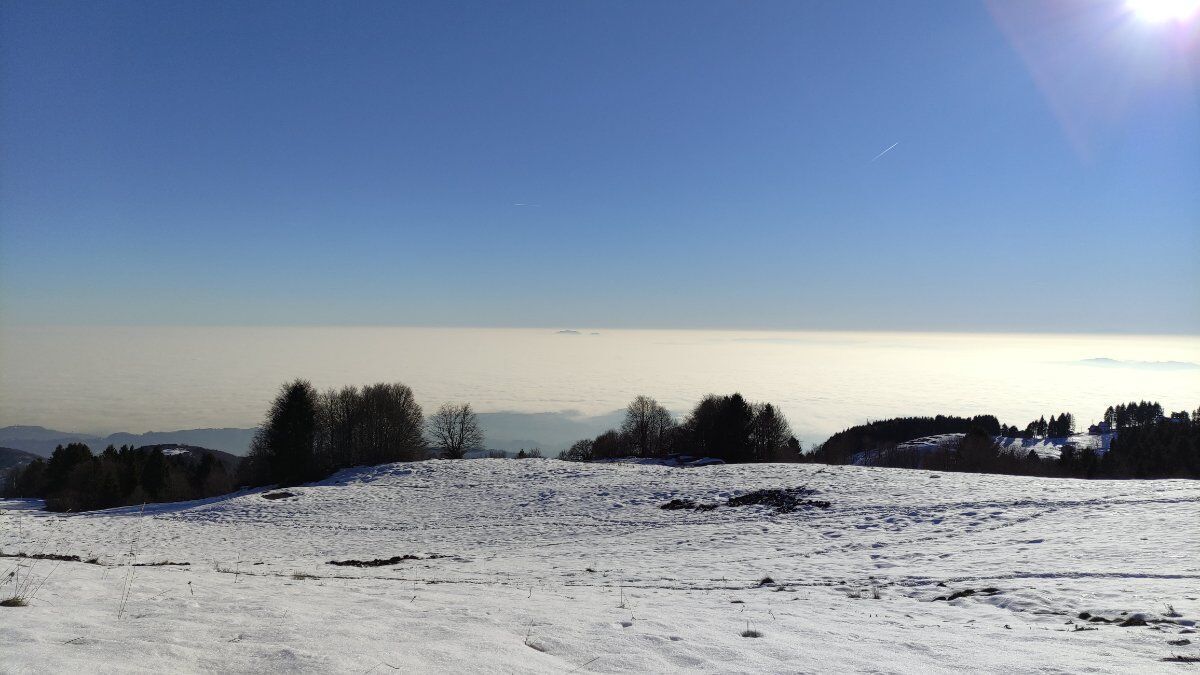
x=378, y=562
x=784, y=500
x=968, y=592
x=278, y=495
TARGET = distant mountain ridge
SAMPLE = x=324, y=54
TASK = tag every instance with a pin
x=195, y=454
x=42, y=441
x=549, y=431
x=511, y=431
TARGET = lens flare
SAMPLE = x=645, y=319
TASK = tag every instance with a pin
x=1160, y=11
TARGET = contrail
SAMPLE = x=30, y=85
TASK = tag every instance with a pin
x=886, y=151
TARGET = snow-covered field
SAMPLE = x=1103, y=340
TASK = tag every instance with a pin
x=547, y=566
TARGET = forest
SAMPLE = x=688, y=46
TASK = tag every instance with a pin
x=1145, y=443
x=74, y=479
x=728, y=428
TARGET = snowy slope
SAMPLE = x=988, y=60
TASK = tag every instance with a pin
x=547, y=566
x=1051, y=448
x=1046, y=447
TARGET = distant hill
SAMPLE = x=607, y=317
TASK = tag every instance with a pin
x=42, y=441
x=550, y=431
x=31, y=434
x=230, y=440
x=844, y=446
x=512, y=431
x=1044, y=447
x=195, y=453
x=11, y=458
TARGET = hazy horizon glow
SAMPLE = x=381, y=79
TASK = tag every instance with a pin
x=166, y=378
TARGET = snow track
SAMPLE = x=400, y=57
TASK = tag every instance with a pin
x=540, y=565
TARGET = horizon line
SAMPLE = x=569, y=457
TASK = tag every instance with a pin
x=598, y=328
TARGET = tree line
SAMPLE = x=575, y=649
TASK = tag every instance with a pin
x=882, y=435
x=308, y=435
x=1168, y=447
x=1120, y=416
x=1163, y=448
x=1150, y=445
x=726, y=427
x=1057, y=427
x=74, y=479
x=1136, y=414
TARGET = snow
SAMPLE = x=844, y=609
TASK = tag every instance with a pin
x=548, y=566
x=1051, y=448
x=920, y=445
x=1044, y=446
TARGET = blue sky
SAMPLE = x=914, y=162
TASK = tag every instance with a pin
x=640, y=164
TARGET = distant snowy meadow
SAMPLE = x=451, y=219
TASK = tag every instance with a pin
x=102, y=379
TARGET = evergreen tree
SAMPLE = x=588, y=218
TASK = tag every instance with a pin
x=282, y=450
x=63, y=462
x=719, y=426
x=154, y=475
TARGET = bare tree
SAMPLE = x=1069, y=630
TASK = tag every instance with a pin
x=607, y=445
x=339, y=418
x=580, y=451
x=391, y=425
x=770, y=435
x=455, y=430
x=646, y=425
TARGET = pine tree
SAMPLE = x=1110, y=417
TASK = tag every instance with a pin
x=282, y=451
x=154, y=475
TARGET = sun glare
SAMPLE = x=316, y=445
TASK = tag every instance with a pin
x=1159, y=11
